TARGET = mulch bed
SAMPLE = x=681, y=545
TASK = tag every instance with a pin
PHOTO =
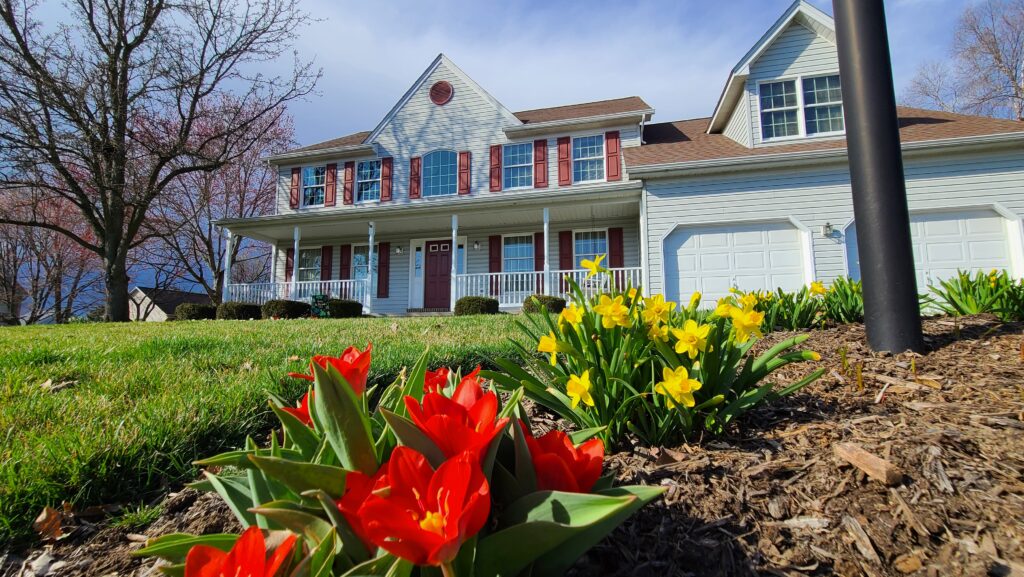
x=772, y=498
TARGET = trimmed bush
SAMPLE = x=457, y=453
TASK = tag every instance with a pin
x=195, y=312
x=282, y=309
x=238, y=311
x=344, y=309
x=534, y=303
x=476, y=306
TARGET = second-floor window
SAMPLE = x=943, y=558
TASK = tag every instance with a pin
x=368, y=181
x=309, y=264
x=806, y=106
x=588, y=158
x=313, y=178
x=440, y=173
x=517, y=165
x=823, y=104
x=779, y=110
x=589, y=244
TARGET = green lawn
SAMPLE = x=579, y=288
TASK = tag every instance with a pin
x=149, y=398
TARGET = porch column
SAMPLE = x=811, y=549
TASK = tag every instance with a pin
x=455, y=257
x=547, y=251
x=224, y=295
x=645, y=279
x=296, y=237
x=371, y=270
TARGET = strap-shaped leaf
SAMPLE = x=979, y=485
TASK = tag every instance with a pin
x=582, y=435
x=352, y=546
x=297, y=433
x=321, y=559
x=386, y=565
x=237, y=496
x=299, y=476
x=345, y=425
x=239, y=459
x=525, y=475
x=175, y=547
x=290, y=516
x=411, y=436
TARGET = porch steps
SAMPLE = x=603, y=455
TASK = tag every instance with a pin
x=428, y=313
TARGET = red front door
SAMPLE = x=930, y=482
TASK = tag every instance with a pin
x=437, y=286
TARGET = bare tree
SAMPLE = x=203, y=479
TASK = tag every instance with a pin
x=986, y=75
x=127, y=96
x=183, y=217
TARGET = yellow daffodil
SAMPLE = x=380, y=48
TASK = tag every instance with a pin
x=550, y=344
x=571, y=315
x=815, y=356
x=817, y=288
x=749, y=301
x=735, y=290
x=613, y=312
x=578, y=389
x=657, y=309
x=746, y=323
x=594, y=266
x=658, y=332
x=695, y=300
x=692, y=338
x=724, y=307
x=634, y=293
x=677, y=386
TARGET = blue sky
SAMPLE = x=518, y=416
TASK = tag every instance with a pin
x=674, y=54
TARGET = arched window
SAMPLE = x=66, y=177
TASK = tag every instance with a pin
x=440, y=173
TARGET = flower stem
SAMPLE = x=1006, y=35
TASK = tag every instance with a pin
x=447, y=570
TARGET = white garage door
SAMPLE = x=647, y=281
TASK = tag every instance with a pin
x=762, y=256
x=947, y=241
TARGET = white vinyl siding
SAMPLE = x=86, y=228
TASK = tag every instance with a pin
x=517, y=165
x=368, y=181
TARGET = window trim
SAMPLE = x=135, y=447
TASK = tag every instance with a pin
x=298, y=261
x=302, y=186
x=801, y=120
x=573, y=159
x=528, y=164
x=379, y=180
x=576, y=230
x=510, y=234
x=804, y=106
x=423, y=174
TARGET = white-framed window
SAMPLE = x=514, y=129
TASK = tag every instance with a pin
x=309, y=264
x=313, y=180
x=368, y=181
x=362, y=268
x=517, y=253
x=440, y=173
x=589, y=244
x=779, y=110
x=588, y=158
x=517, y=165
x=823, y=105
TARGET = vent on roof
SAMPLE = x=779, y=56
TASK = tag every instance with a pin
x=441, y=92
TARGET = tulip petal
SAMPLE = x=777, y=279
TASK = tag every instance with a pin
x=249, y=555
x=553, y=474
x=204, y=561
x=280, y=556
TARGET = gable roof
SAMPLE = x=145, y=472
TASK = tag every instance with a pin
x=689, y=141
x=168, y=299
x=584, y=110
x=347, y=140
x=800, y=12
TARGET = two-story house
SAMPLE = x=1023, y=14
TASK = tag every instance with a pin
x=452, y=194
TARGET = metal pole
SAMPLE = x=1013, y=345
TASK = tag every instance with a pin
x=547, y=251
x=224, y=293
x=891, y=312
x=455, y=264
x=296, y=239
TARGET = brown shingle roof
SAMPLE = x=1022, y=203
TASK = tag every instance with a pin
x=600, y=108
x=687, y=141
x=356, y=138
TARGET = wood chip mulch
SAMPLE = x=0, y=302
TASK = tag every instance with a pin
x=927, y=479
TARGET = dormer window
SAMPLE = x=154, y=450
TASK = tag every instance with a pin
x=313, y=179
x=779, y=108
x=815, y=110
x=823, y=105
x=440, y=173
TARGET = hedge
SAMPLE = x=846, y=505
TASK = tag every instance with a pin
x=534, y=303
x=476, y=306
x=195, y=312
x=235, y=311
x=344, y=309
x=282, y=309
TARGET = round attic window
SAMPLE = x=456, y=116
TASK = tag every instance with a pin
x=441, y=92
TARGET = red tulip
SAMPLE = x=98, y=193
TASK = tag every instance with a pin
x=473, y=377
x=436, y=381
x=561, y=466
x=423, y=515
x=248, y=558
x=353, y=364
x=464, y=422
x=302, y=411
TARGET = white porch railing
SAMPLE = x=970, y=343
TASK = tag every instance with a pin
x=259, y=293
x=512, y=288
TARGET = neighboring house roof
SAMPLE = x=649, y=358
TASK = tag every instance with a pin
x=347, y=140
x=168, y=299
x=584, y=110
x=688, y=140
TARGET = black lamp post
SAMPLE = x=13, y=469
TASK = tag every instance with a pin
x=891, y=312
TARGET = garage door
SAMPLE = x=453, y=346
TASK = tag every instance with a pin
x=947, y=241
x=761, y=256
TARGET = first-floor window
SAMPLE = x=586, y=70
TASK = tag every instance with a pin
x=309, y=264
x=368, y=181
x=313, y=179
x=361, y=265
x=590, y=244
x=518, y=254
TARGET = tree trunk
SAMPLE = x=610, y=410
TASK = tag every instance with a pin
x=116, y=303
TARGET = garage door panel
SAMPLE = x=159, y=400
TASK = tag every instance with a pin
x=752, y=282
x=748, y=260
x=789, y=258
x=786, y=281
x=986, y=250
x=748, y=238
x=993, y=226
x=712, y=240
x=687, y=262
x=943, y=252
x=715, y=262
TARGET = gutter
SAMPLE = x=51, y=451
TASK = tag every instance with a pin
x=336, y=151
x=571, y=122
x=742, y=163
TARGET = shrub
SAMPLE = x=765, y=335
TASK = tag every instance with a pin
x=844, y=301
x=1011, y=305
x=235, y=311
x=344, y=309
x=476, y=306
x=534, y=304
x=195, y=312
x=283, y=309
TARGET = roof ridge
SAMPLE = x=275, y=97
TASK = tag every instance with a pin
x=582, y=103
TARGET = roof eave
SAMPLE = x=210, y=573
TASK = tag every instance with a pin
x=600, y=120
x=322, y=153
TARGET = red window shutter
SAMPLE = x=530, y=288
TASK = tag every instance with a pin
x=540, y=163
x=331, y=185
x=465, y=168
x=564, y=161
x=495, y=168
x=616, y=253
x=293, y=197
x=350, y=178
x=494, y=260
x=538, y=251
x=345, y=262
x=326, y=254
x=385, y=178
x=383, y=269
x=565, y=252
x=289, y=264
x=414, y=176
x=613, y=155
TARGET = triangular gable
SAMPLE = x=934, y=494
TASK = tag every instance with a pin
x=800, y=12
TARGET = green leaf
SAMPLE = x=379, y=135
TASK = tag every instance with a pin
x=345, y=425
x=239, y=459
x=237, y=496
x=321, y=562
x=525, y=474
x=411, y=436
x=175, y=546
x=582, y=435
x=351, y=544
x=299, y=476
x=290, y=516
x=386, y=565
x=304, y=438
